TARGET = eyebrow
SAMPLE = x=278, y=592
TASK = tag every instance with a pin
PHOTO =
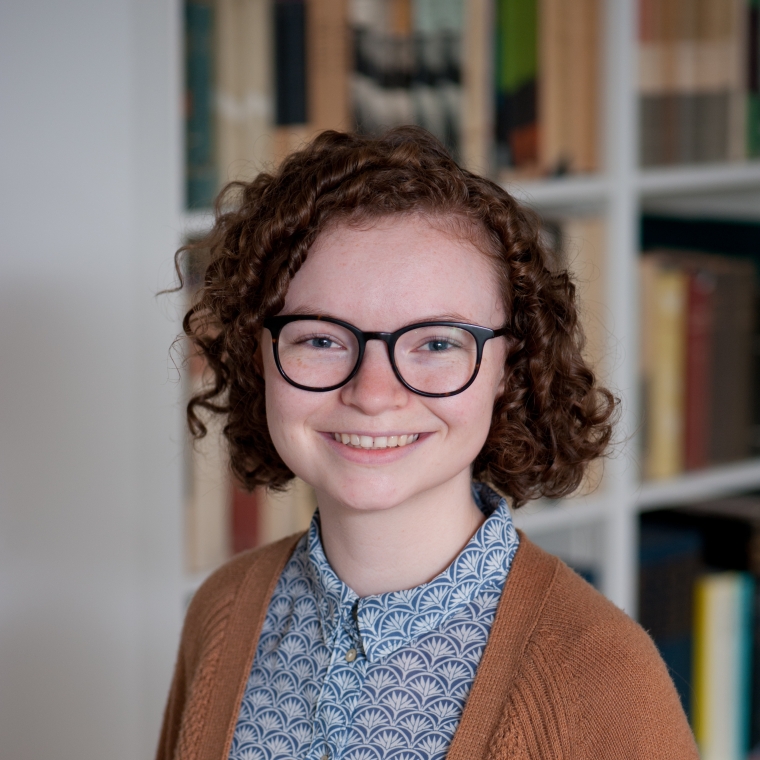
x=444, y=317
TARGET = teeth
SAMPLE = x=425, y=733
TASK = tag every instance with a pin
x=381, y=442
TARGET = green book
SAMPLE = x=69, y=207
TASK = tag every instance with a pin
x=199, y=101
x=516, y=72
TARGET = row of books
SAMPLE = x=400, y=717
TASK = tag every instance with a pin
x=699, y=327
x=699, y=80
x=699, y=599
x=547, y=84
x=511, y=86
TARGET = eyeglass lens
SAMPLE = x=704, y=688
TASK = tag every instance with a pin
x=435, y=359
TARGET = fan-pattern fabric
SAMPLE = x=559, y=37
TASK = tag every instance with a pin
x=383, y=677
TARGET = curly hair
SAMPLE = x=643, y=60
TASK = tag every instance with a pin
x=552, y=419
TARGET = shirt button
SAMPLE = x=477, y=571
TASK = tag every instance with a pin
x=350, y=657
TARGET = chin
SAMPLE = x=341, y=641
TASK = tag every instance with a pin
x=370, y=493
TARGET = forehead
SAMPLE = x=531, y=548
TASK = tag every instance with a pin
x=388, y=273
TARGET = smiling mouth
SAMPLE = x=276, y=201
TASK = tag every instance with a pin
x=378, y=442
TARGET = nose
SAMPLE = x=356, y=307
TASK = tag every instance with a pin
x=375, y=388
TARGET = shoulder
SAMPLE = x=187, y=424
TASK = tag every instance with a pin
x=251, y=573
x=595, y=670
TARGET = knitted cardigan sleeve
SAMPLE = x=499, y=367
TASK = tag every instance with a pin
x=591, y=686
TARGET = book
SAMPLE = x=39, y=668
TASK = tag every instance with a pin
x=200, y=138
x=516, y=73
x=692, y=81
x=663, y=295
x=699, y=352
x=670, y=561
x=244, y=105
x=723, y=606
x=568, y=108
x=752, y=41
x=291, y=105
x=682, y=553
x=328, y=54
x=477, y=73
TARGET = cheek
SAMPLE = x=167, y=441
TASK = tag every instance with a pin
x=281, y=405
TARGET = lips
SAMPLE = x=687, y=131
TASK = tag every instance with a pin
x=356, y=441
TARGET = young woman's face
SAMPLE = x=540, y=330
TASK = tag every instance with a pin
x=399, y=271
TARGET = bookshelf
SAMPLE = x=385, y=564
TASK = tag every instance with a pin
x=619, y=193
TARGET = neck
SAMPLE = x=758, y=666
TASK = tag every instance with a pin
x=400, y=547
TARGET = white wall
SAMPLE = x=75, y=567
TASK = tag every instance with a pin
x=90, y=424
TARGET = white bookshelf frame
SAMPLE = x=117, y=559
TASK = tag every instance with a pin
x=619, y=193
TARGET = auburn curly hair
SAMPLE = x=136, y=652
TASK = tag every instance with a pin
x=552, y=419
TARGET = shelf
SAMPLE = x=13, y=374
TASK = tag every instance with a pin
x=698, y=179
x=562, y=193
x=694, y=487
x=549, y=517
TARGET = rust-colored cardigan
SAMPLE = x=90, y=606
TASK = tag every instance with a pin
x=565, y=673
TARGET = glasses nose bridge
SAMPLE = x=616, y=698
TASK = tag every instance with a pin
x=383, y=337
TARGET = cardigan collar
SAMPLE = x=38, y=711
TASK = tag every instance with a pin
x=382, y=623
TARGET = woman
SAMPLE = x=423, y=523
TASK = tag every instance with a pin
x=412, y=620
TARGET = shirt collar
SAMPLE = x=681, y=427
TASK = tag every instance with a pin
x=383, y=623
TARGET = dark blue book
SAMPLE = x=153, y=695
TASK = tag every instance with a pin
x=290, y=62
x=200, y=161
x=670, y=560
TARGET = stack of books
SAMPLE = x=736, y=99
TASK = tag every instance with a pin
x=698, y=81
x=546, y=81
x=700, y=601
x=699, y=344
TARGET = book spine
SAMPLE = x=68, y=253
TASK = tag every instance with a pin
x=731, y=424
x=722, y=650
x=746, y=594
x=328, y=55
x=477, y=76
x=700, y=689
x=290, y=62
x=698, y=361
x=201, y=184
x=753, y=78
x=665, y=449
x=754, y=739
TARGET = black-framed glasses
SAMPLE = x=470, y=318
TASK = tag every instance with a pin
x=434, y=359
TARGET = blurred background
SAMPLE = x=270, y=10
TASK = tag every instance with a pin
x=631, y=126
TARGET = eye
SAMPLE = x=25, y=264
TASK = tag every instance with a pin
x=439, y=344
x=322, y=342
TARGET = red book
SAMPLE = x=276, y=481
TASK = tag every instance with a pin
x=699, y=352
x=245, y=520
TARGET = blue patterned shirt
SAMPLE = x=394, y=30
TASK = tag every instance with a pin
x=382, y=677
